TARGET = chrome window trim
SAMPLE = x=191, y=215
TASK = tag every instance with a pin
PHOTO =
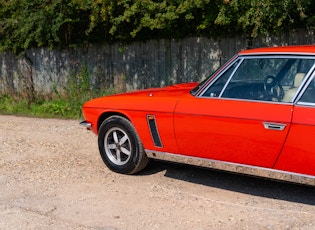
x=232, y=74
x=216, y=75
x=270, y=173
x=308, y=104
x=305, y=83
x=246, y=100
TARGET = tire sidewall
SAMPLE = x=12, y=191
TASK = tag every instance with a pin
x=121, y=123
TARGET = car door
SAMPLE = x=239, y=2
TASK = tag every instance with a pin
x=298, y=154
x=234, y=120
x=242, y=132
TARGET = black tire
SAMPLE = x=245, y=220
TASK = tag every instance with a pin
x=120, y=146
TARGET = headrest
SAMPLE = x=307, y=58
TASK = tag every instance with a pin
x=298, y=79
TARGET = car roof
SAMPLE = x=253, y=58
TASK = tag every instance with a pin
x=307, y=49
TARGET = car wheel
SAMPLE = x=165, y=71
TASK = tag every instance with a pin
x=120, y=146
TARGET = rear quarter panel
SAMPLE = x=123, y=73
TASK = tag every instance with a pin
x=298, y=154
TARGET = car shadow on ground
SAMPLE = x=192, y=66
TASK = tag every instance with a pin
x=234, y=182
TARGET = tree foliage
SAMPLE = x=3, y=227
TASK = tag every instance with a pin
x=255, y=17
x=40, y=23
x=64, y=23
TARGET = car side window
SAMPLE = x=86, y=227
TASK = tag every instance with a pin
x=309, y=94
x=256, y=79
x=267, y=78
x=215, y=89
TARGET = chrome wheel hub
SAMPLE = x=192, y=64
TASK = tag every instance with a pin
x=117, y=146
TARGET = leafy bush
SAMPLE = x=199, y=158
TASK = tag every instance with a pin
x=66, y=23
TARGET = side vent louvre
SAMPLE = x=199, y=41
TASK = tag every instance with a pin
x=154, y=131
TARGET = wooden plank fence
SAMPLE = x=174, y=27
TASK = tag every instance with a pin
x=126, y=67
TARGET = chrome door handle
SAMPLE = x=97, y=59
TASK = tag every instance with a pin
x=274, y=126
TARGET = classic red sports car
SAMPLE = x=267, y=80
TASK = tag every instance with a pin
x=255, y=115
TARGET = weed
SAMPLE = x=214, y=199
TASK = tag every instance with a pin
x=66, y=103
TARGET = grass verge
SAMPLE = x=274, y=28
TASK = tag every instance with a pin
x=66, y=104
x=54, y=108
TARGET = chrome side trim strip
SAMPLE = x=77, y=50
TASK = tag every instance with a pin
x=233, y=167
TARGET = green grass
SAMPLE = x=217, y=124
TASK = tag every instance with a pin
x=54, y=108
x=66, y=104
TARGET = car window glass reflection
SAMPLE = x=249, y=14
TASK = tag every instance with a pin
x=265, y=79
x=309, y=94
x=216, y=88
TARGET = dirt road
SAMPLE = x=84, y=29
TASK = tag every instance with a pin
x=52, y=177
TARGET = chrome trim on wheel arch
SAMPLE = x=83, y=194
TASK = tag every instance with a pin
x=233, y=167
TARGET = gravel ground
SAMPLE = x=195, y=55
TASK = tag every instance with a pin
x=52, y=177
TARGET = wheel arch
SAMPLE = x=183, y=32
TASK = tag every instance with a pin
x=106, y=115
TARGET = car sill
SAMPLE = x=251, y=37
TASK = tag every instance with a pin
x=236, y=168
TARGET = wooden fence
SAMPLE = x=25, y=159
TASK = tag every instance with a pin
x=154, y=63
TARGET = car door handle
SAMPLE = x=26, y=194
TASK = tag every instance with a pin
x=274, y=126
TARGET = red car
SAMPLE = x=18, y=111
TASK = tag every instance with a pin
x=255, y=115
